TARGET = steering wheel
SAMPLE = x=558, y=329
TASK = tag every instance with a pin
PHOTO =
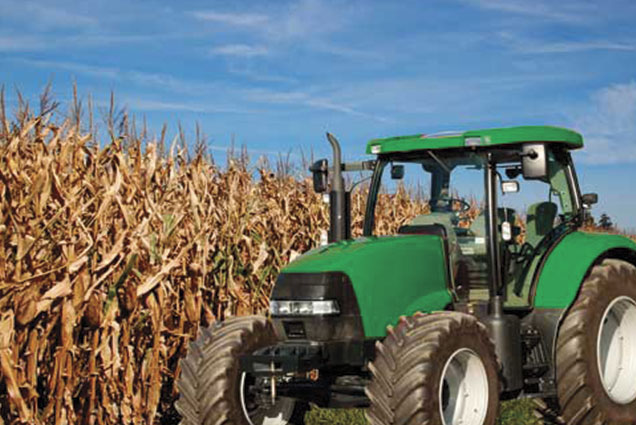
x=464, y=206
x=446, y=205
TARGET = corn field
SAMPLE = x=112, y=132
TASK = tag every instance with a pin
x=113, y=253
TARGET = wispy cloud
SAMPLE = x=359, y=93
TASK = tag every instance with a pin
x=314, y=101
x=42, y=41
x=74, y=67
x=149, y=79
x=348, y=52
x=282, y=23
x=235, y=19
x=310, y=19
x=563, y=11
x=530, y=46
x=45, y=17
x=258, y=75
x=139, y=104
x=282, y=29
x=609, y=125
x=573, y=47
x=165, y=81
x=19, y=43
x=239, y=50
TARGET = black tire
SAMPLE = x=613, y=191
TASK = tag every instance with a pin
x=582, y=396
x=410, y=362
x=209, y=384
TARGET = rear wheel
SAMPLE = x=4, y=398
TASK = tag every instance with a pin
x=212, y=389
x=435, y=369
x=596, y=350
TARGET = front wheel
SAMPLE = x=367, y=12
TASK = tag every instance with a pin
x=596, y=349
x=212, y=389
x=437, y=369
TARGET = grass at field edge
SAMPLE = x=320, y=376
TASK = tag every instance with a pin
x=514, y=412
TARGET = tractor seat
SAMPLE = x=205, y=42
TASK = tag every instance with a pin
x=434, y=219
x=438, y=224
x=540, y=221
x=424, y=229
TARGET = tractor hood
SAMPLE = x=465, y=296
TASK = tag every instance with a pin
x=392, y=276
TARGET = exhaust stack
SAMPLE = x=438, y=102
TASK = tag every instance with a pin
x=339, y=198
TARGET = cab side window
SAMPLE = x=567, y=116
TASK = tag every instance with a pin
x=541, y=207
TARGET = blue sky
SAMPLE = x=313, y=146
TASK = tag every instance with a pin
x=276, y=75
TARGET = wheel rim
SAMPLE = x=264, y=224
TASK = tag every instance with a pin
x=616, y=350
x=463, y=389
x=278, y=414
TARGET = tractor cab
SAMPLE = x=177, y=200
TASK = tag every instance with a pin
x=534, y=200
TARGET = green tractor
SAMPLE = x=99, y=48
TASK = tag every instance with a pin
x=439, y=322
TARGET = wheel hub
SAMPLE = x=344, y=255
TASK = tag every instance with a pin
x=463, y=392
x=616, y=350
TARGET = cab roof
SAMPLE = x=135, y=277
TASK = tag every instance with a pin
x=477, y=138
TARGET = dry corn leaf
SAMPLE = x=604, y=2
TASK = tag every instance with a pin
x=61, y=289
x=262, y=256
x=8, y=367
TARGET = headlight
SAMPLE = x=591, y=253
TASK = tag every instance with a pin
x=304, y=308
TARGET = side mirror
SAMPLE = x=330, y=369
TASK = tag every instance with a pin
x=319, y=171
x=534, y=162
x=589, y=199
x=397, y=172
x=510, y=186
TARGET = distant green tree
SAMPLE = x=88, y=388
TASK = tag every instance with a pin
x=605, y=222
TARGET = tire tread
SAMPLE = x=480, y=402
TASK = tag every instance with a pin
x=576, y=394
x=205, y=383
x=401, y=366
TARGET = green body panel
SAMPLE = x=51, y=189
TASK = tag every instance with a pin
x=568, y=263
x=486, y=137
x=392, y=276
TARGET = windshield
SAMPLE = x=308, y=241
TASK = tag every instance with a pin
x=448, y=192
x=449, y=187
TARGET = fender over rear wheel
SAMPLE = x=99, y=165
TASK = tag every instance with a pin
x=596, y=349
x=436, y=369
x=212, y=389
